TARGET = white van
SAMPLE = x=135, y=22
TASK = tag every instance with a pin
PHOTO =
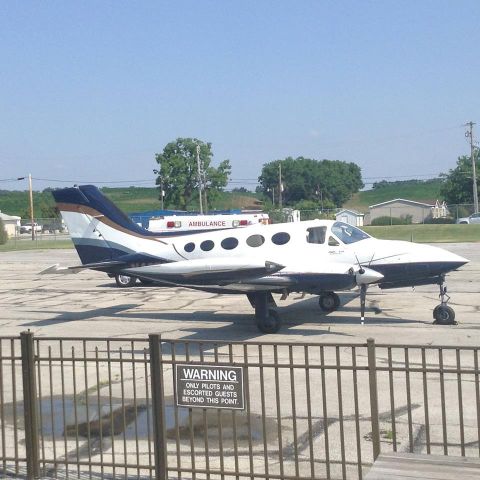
x=200, y=223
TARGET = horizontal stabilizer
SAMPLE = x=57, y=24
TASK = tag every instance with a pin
x=212, y=271
x=54, y=269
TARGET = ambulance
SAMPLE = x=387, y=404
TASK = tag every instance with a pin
x=181, y=224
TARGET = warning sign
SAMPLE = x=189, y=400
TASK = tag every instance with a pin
x=208, y=386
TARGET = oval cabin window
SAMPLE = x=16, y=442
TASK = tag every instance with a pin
x=189, y=247
x=229, y=243
x=255, y=240
x=281, y=238
x=207, y=245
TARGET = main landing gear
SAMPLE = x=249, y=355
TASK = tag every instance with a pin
x=443, y=314
x=267, y=319
x=329, y=301
x=124, y=281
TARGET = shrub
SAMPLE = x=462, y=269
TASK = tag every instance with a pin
x=3, y=233
x=386, y=220
x=438, y=221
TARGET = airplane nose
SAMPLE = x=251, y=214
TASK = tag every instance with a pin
x=441, y=260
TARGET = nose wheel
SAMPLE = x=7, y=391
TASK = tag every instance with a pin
x=444, y=314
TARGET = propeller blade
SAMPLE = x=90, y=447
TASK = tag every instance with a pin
x=363, y=297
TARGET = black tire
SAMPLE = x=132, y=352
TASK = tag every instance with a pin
x=329, y=302
x=444, y=315
x=146, y=281
x=336, y=299
x=270, y=324
x=125, y=281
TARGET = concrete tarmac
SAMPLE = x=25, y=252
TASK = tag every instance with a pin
x=89, y=304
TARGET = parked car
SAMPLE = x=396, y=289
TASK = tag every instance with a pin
x=53, y=227
x=27, y=228
x=474, y=218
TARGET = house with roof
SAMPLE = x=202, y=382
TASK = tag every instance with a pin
x=351, y=217
x=11, y=223
x=401, y=208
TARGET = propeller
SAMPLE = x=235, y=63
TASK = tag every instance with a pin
x=364, y=277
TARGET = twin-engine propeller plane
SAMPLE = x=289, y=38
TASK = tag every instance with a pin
x=317, y=257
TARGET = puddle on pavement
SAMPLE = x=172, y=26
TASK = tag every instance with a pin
x=137, y=422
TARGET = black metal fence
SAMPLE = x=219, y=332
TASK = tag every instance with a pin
x=106, y=408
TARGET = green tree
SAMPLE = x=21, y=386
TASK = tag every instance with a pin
x=178, y=174
x=458, y=184
x=326, y=181
x=3, y=233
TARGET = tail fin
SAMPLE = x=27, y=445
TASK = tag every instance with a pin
x=100, y=231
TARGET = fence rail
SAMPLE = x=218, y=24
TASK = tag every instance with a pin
x=106, y=408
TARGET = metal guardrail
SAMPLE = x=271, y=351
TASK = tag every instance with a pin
x=105, y=408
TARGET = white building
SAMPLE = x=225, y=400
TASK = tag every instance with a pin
x=11, y=223
x=351, y=217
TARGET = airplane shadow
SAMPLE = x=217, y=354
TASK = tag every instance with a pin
x=296, y=319
x=78, y=316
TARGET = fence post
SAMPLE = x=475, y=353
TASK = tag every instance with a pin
x=372, y=376
x=30, y=405
x=156, y=384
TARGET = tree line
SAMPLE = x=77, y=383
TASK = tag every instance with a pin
x=320, y=183
x=306, y=183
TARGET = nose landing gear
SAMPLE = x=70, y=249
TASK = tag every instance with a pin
x=443, y=314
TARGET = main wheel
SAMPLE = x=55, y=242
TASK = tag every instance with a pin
x=124, y=281
x=444, y=315
x=146, y=281
x=329, y=301
x=269, y=324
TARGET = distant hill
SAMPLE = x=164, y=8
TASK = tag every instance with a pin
x=418, y=190
x=129, y=199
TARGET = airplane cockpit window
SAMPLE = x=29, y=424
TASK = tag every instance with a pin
x=189, y=247
x=348, y=233
x=207, y=245
x=229, y=243
x=281, y=238
x=316, y=235
x=255, y=240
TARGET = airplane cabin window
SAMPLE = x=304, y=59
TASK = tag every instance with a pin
x=255, y=240
x=207, y=245
x=281, y=238
x=229, y=243
x=348, y=233
x=332, y=242
x=189, y=247
x=316, y=235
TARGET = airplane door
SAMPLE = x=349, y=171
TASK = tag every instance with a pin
x=334, y=246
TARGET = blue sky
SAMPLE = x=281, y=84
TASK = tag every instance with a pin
x=90, y=90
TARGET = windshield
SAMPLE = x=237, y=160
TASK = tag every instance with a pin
x=348, y=233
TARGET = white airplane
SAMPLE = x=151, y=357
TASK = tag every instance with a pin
x=316, y=257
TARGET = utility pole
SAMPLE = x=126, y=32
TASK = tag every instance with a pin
x=162, y=193
x=205, y=204
x=200, y=181
x=469, y=133
x=273, y=196
x=280, y=186
x=31, y=204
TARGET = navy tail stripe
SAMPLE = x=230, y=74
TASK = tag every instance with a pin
x=91, y=196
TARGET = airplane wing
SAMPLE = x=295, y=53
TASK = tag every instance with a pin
x=212, y=271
